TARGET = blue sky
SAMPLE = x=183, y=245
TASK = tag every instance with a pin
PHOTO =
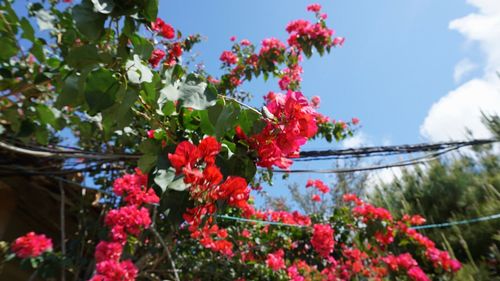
x=412, y=71
x=397, y=61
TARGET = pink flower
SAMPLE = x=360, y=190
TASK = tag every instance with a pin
x=314, y=8
x=275, y=260
x=151, y=134
x=322, y=239
x=417, y=274
x=232, y=38
x=165, y=29
x=245, y=42
x=156, y=56
x=315, y=100
x=355, y=121
x=338, y=41
x=316, y=198
x=228, y=57
x=110, y=270
x=108, y=251
x=31, y=245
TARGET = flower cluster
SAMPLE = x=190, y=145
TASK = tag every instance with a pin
x=322, y=239
x=207, y=187
x=130, y=219
x=31, y=245
x=293, y=123
x=162, y=28
x=319, y=185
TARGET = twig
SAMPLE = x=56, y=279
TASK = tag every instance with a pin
x=167, y=251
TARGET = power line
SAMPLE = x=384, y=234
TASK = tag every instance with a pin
x=388, y=150
x=427, y=226
x=47, y=152
x=410, y=162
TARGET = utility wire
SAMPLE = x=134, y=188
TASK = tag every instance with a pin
x=410, y=162
x=315, y=154
x=427, y=226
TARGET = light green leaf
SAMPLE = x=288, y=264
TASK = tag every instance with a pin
x=197, y=95
x=163, y=178
x=103, y=6
x=45, y=20
x=178, y=184
x=137, y=71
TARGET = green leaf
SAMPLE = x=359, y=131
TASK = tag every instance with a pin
x=72, y=92
x=226, y=120
x=197, y=95
x=88, y=22
x=8, y=48
x=37, y=51
x=137, y=71
x=178, y=184
x=151, y=10
x=42, y=135
x=100, y=90
x=82, y=56
x=163, y=177
x=103, y=6
x=147, y=162
x=46, y=115
x=142, y=46
x=28, y=31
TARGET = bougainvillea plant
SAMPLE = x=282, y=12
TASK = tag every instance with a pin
x=110, y=73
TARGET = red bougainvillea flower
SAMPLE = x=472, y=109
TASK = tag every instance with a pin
x=275, y=260
x=316, y=198
x=322, y=239
x=186, y=154
x=314, y=8
x=31, y=245
x=164, y=29
x=235, y=190
x=156, y=56
x=208, y=148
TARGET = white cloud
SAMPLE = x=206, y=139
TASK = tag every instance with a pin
x=461, y=108
x=358, y=140
x=463, y=68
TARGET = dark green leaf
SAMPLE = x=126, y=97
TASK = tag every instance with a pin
x=151, y=10
x=8, y=48
x=100, y=90
x=142, y=46
x=82, y=56
x=37, y=51
x=88, y=22
x=28, y=31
